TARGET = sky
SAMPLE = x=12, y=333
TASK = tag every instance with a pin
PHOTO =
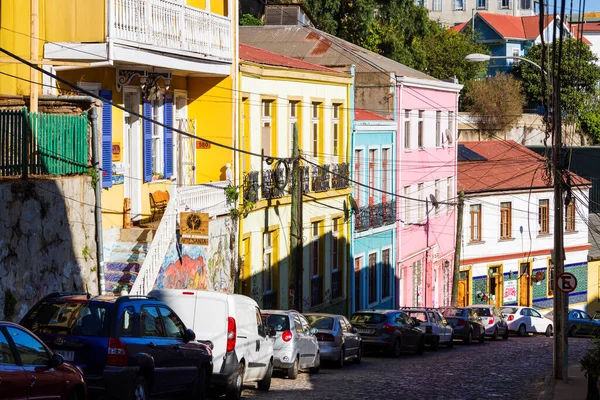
x=590, y=5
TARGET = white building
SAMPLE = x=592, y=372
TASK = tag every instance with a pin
x=592, y=33
x=452, y=12
x=508, y=226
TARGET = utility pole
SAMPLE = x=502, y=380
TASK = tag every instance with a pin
x=35, y=28
x=295, y=270
x=459, y=224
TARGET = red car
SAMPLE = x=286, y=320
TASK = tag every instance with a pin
x=30, y=370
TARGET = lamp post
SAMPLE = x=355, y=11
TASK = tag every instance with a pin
x=561, y=300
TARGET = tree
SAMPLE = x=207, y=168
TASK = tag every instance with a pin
x=250, y=20
x=495, y=102
x=578, y=79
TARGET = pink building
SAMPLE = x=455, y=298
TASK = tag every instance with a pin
x=426, y=150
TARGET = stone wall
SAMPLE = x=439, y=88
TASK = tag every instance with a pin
x=47, y=241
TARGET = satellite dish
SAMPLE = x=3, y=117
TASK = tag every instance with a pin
x=354, y=206
x=434, y=201
x=449, y=136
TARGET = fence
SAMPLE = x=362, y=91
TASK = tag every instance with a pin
x=42, y=144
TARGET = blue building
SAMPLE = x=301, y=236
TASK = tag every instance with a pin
x=373, y=246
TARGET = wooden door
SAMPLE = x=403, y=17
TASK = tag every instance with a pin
x=246, y=275
x=462, y=292
x=524, y=286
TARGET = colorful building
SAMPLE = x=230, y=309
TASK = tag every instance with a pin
x=276, y=93
x=508, y=228
x=374, y=227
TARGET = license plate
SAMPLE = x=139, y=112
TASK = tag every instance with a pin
x=67, y=355
x=367, y=331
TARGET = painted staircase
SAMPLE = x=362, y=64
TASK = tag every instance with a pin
x=126, y=258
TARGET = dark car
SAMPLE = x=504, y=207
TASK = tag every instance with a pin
x=128, y=347
x=29, y=369
x=338, y=339
x=466, y=323
x=389, y=330
x=580, y=323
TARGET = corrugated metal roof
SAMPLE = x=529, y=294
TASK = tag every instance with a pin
x=364, y=115
x=260, y=56
x=317, y=47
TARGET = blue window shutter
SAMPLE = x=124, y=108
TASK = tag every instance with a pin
x=168, y=136
x=147, y=112
x=106, y=162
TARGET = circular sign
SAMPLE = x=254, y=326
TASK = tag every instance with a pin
x=566, y=282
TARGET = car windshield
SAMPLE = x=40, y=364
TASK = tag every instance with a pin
x=418, y=315
x=368, y=318
x=454, y=312
x=280, y=322
x=75, y=317
x=509, y=310
x=483, y=312
x=320, y=322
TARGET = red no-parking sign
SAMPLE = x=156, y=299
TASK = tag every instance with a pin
x=566, y=282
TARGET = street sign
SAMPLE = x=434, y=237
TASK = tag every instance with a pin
x=566, y=282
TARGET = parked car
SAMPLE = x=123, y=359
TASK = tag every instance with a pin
x=389, y=330
x=494, y=322
x=242, y=347
x=29, y=369
x=296, y=347
x=466, y=323
x=338, y=339
x=580, y=323
x=128, y=346
x=524, y=320
x=435, y=327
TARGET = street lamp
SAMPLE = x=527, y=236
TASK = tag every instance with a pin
x=561, y=301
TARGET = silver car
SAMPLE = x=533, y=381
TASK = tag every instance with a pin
x=338, y=339
x=493, y=320
x=295, y=345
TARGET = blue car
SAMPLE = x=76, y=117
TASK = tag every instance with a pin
x=580, y=323
x=127, y=347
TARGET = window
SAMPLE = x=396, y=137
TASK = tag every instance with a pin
x=335, y=262
x=482, y=4
x=407, y=129
x=420, y=3
x=420, y=129
x=260, y=325
x=315, y=249
x=315, y=129
x=6, y=355
x=475, y=222
x=293, y=118
x=173, y=326
x=437, y=195
x=357, y=175
x=127, y=321
x=267, y=262
x=357, y=266
x=407, y=216
x=150, y=322
x=372, y=177
x=550, y=279
x=335, y=121
x=516, y=53
x=505, y=220
x=449, y=191
x=570, y=217
x=436, y=5
x=459, y=5
x=543, y=217
x=438, y=129
x=298, y=324
x=266, y=123
x=421, y=206
x=525, y=4
x=31, y=350
x=385, y=174
x=450, y=127
x=372, y=277
x=505, y=4
x=157, y=138
x=386, y=273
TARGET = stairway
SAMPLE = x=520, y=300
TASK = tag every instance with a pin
x=126, y=257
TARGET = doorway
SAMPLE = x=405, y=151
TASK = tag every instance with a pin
x=524, y=284
x=246, y=275
x=495, y=285
x=185, y=145
x=464, y=289
x=133, y=163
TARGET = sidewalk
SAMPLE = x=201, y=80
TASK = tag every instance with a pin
x=575, y=388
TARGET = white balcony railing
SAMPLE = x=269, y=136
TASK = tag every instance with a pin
x=172, y=25
x=208, y=198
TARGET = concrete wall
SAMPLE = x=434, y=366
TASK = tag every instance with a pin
x=47, y=241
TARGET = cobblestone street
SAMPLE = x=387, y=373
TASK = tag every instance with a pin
x=512, y=369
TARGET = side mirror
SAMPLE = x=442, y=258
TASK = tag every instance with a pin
x=189, y=335
x=57, y=360
x=313, y=331
x=271, y=331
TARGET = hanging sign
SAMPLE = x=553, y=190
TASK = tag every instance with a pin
x=194, y=228
x=510, y=291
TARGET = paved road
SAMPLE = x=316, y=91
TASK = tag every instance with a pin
x=512, y=369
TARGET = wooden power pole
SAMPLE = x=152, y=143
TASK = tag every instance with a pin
x=295, y=270
x=35, y=29
x=459, y=224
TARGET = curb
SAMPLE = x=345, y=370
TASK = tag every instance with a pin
x=546, y=388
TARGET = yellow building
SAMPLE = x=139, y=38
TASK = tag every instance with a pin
x=276, y=93
x=172, y=60
x=593, y=289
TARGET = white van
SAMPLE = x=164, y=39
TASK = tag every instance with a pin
x=242, y=343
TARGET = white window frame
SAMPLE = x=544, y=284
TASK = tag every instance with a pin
x=157, y=138
x=436, y=5
x=386, y=175
x=516, y=50
x=314, y=238
x=335, y=131
x=481, y=4
x=314, y=131
x=450, y=127
x=335, y=236
x=358, y=176
x=266, y=113
x=421, y=130
x=406, y=208
x=421, y=205
x=407, y=122
x=293, y=119
x=449, y=190
x=460, y=7
x=267, y=262
x=438, y=129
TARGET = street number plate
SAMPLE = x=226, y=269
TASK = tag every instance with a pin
x=67, y=355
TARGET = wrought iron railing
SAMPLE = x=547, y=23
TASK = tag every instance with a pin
x=340, y=176
x=316, y=291
x=362, y=220
x=305, y=179
x=320, y=177
x=375, y=216
x=389, y=212
x=336, y=284
x=251, y=186
x=274, y=182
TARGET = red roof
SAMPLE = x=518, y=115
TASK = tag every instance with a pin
x=591, y=27
x=364, y=115
x=260, y=56
x=508, y=165
x=459, y=27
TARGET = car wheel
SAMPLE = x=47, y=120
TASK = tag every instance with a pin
x=234, y=392
x=505, y=335
x=549, y=331
x=358, y=358
x=292, y=371
x=436, y=344
x=265, y=383
x=522, y=330
x=482, y=335
x=140, y=389
x=469, y=338
x=421, y=347
x=340, y=363
x=495, y=335
x=397, y=348
x=572, y=331
x=450, y=343
x=317, y=367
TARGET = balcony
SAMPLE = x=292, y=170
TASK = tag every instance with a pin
x=375, y=216
x=340, y=175
x=251, y=187
x=320, y=178
x=274, y=183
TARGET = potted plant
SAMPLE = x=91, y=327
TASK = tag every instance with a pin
x=590, y=363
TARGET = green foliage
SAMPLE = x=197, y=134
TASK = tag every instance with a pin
x=232, y=195
x=93, y=173
x=578, y=79
x=86, y=253
x=590, y=123
x=10, y=304
x=590, y=363
x=250, y=20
